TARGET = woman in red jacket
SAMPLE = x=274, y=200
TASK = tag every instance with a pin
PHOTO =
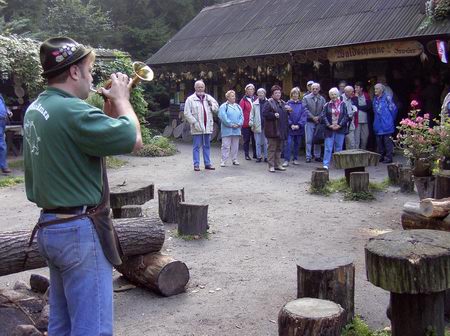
x=246, y=104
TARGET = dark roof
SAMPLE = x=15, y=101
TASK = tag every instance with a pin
x=244, y=28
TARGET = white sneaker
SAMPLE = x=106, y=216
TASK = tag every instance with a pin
x=296, y=162
x=236, y=162
x=272, y=169
x=285, y=164
x=325, y=167
x=222, y=164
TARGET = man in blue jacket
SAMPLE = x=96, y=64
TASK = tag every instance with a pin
x=4, y=112
x=385, y=113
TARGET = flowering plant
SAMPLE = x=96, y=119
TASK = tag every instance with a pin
x=416, y=138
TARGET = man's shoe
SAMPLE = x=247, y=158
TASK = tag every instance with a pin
x=280, y=168
x=258, y=160
x=318, y=159
x=265, y=160
x=248, y=157
x=325, y=167
x=222, y=164
x=285, y=164
x=210, y=167
x=196, y=168
x=308, y=160
x=236, y=162
x=6, y=171
x=296, y=162
x=272, y=169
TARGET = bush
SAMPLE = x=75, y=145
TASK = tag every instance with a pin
x=359, y=328
x=158, y=146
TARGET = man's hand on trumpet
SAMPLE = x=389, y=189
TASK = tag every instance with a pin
x=117, y=94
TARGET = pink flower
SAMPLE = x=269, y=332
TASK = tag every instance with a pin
x=426, y=116
x=414, y=104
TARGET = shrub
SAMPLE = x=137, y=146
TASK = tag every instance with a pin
x=158, y=146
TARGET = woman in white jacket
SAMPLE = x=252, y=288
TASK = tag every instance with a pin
x=257, y=125
x=198, y=112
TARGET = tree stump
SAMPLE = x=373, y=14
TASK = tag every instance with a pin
x=157, y=272
x=394, y=173
x=425, y=186
x=359, y=182
x=442, y=186
x=354, y=160
x=311, y=317
x=414, y=266
x=328, y=279
x=169, y=201
x=134, y=197
x=319, y=178
x=192, y=219
x=405, y=180
x=128, y=211
x=136, y=236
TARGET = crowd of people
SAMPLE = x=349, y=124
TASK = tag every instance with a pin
x=274, y=129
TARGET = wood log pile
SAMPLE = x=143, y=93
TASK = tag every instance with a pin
x=429, y=213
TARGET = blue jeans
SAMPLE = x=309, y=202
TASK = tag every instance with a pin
x=309, y=132
x=81, y=293
x=292, y=144
x=261, y=141
x=203, y=141
x=3, y=149
x=336, y=140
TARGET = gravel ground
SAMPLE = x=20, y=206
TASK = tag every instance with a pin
x=261, y=226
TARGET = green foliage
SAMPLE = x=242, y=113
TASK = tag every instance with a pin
x=10, y=181
x=379, y=186
x=158, y=146
x=359, y=328
x=96, y=100
x=16, y=164
x=114, y=162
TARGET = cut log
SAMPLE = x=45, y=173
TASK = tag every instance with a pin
x=192, y=219
x=393, y=173
x=436, y=208
x=412, y=207
x=359, y=182
x=128, y=211
x=311, y=317
x=425, y=186
x=442, y=186
x=349, y=171
x=178, y=131
x=134, y=197
x=328, y=279
x=396, y=261
x=354, y=158
x=168, y=131
x=39, y=283
x=319, y=178
x=415, y=221
x=174, y=123
x=168, y=203
x=157, y=272
x=136, y=236
x=405, y=180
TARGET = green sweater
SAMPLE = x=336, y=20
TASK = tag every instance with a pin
x=64, y=140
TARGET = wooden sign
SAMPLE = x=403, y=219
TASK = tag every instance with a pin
x=375, y=50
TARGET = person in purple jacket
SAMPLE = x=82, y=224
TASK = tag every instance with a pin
x=297, y=120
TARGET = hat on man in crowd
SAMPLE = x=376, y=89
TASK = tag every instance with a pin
x=58, y=53
x=310, y=83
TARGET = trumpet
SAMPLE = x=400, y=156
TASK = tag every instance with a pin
x=141, y=72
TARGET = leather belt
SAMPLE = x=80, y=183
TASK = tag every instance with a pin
x=67, y=210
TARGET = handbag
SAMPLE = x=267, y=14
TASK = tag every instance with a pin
x=319, y=134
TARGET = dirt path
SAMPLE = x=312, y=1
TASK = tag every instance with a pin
x=261, y=225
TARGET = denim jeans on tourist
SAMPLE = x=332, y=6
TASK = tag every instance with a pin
x=201, y=141
x=81, y=293
x=309, y=131
x=292, y=147
x=336, y=141
x=261, y=145
x=3, y=148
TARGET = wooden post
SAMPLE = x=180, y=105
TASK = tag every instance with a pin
x=396, y=261
x=348, y=171
x=192, y=219
x=425, y=186
x=311, y=317
x=157, y=272
x=319, y=178
x=128, y=211
x=328, y=279
x=169, y=200
x=359, y=182
x=405, y=180
x=138, y=196
x=442, y=186
x=413, y=221
x=393, y=172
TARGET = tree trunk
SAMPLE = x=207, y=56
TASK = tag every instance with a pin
x=405, y=180
x=311, y=317
x=136, y=236
x=160, y=273
x=128, y=211
x=393, y=173
x=413, y=221
x=319, y=178
x=134, y=197
x=359, y=182
x=413, y=314
x=169, y=201
x=436, y=208
x=442, y=186
x=192, y=219
x=348, y=171
x=425, y=186
x=328, y=279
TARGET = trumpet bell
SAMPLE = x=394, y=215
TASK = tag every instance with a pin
x=143, y=71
